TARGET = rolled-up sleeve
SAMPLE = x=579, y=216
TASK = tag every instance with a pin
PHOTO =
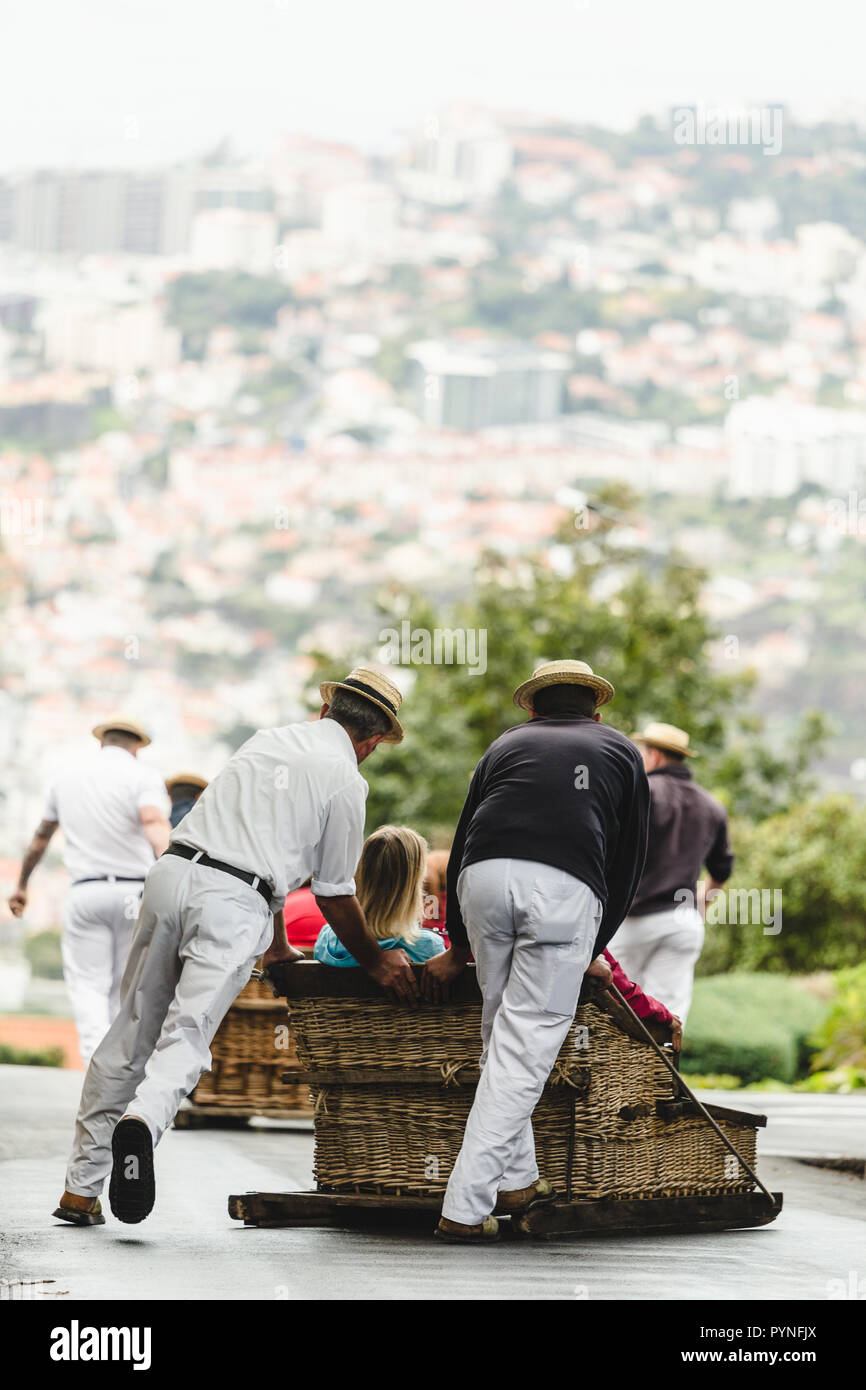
x=152, y=792
x=340, y=843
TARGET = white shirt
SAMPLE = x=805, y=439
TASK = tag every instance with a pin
x=97, y=804
x=288, y=804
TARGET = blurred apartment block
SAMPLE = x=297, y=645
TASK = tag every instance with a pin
x=461, y=155
x=473, y=385
x=80, y=212
x=778, y=445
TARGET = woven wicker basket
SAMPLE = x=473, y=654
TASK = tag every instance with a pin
x=395, y=1087
x=609, y=1068
x=345, y=1034
x=405, y=1139
x=251, y=1050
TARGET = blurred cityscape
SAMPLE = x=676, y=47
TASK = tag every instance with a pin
x=239, y=403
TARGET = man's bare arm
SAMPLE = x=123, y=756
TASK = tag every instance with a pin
x=156, y=828
x=391, y=969
x=441, y=971
x=33, y=854
x=279, y=949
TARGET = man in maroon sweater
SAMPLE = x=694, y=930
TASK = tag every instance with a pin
x=659, y=943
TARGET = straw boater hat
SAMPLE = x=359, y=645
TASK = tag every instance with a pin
x=667, y=737
x=374, y=687
x=563, y=673
x=185, y=779
x=126, y=726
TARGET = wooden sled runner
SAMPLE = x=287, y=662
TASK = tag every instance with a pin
x=391, y=1089
x=659, y=1215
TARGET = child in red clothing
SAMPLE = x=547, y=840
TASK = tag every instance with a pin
x=303, y=919
x=434, y=893
x=643, y=1004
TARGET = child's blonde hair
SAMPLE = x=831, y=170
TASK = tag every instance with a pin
x=389, y=881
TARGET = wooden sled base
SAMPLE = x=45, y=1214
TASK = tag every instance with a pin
x=655, y=1215
x=236, y=1116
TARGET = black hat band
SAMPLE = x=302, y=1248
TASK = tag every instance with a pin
x=370, y=692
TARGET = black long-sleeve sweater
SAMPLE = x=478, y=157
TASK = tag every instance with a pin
x=568, y=792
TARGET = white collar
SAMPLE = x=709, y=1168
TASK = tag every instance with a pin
x=340, y=737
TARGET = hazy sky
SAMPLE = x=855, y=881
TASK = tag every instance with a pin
x=134, y=82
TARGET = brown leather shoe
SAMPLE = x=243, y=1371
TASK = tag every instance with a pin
x=80, y=1211
x=457, y=1234
x=522, y=1198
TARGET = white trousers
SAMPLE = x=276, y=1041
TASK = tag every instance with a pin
x=532, y=929
x=99, y=922
x=199, y=934
x=660, y=951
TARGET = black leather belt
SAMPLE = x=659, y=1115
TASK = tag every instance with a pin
x=108, y=878
x=254, y=880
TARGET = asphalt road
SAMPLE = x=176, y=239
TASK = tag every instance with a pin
x=189, y=1247
x=804, y=1126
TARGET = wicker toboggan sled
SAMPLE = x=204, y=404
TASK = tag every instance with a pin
x=252, y=1056
x=392, y=1087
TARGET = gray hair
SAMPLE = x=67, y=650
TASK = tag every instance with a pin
x=358, y=716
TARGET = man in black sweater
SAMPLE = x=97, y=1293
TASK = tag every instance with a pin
x=547, y=856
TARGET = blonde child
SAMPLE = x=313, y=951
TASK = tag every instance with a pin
x=389, y=882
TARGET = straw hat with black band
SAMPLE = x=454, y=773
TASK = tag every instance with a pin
x=185, y=779
x=562, y=673
x=123, y=726
x=667, y=737
x=376, y=688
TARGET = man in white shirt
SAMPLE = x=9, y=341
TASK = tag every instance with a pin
x=289, y=804
x=112, y=812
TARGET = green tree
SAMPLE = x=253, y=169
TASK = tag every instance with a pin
x=198, y=303
x=636, y=618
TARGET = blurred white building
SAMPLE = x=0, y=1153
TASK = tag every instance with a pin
x=234, y=239
x=120, y=339
x=361, y=216
x=753, y=217
x=776, y=446
x=828, y=252
x=473, y=385
x=301, y=169
x=461, y=155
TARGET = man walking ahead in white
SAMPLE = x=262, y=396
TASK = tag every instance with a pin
x=546, y=858
x=289, y=804
x=111, y=810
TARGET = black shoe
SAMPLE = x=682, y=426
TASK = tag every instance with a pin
x=132, y=1189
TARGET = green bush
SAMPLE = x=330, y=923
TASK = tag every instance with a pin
x=27, y=1057
x=714, y=1081
x=815, y=853
x=42, y=950
x=840, y=1081
x=841, y=1035
x=751, y=1026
